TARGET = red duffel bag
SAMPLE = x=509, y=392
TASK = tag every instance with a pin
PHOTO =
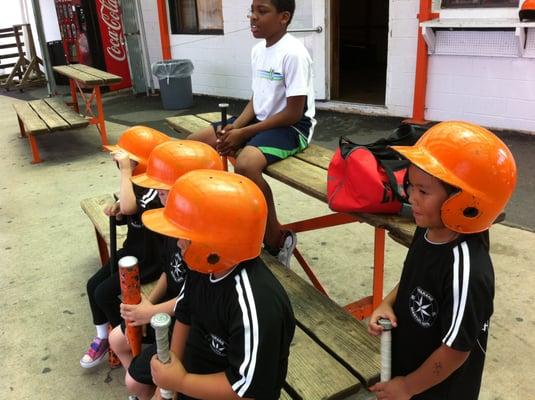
x=370, y=178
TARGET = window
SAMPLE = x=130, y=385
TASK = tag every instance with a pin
x=478, y=3
x=196, y=16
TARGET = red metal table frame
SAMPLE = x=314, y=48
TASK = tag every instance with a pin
x=96, y=98
x=362, y=308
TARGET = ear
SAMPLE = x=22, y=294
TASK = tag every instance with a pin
x=285, y=18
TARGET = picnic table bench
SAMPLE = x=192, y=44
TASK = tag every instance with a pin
x=331, y=357
x=307, y=172
x=52, y=114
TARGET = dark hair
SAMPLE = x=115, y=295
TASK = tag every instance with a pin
x=285, y=5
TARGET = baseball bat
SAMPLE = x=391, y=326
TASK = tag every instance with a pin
x=223, y=107
x=386, y=349
x=160, y=323
x=113, y=244
x=131, y=294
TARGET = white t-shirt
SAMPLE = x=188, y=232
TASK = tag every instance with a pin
x=280, y=71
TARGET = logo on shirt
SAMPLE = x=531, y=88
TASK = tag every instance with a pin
x=423, y=307
x=218, y=345
x=270, y=75
x=177, y=268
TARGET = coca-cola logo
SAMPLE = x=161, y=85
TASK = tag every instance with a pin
x=111, y=17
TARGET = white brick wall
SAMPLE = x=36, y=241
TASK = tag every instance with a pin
x=495, y=92
x=492, y=91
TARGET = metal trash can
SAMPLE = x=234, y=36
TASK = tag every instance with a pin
x=175, y=83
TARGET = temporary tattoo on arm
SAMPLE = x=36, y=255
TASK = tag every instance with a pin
x=437, y=368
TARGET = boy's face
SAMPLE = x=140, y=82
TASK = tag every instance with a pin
x=426, y=195
x=162, y=194
x=266, y=22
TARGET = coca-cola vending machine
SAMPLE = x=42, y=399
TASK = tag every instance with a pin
x=92, y=34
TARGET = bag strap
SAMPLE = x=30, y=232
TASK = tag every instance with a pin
x=390, y=166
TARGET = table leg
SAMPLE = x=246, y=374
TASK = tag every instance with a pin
x=101, y=124
x=74, y=95
x=33, y=146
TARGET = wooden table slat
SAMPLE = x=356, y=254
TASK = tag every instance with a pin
x=52, y=119
x=74, y=119
x=187, y=124
x=316, y=155
x=321, y=318
x=107, y=78
x=314, y=374
x=32, y=122
x=78, y=75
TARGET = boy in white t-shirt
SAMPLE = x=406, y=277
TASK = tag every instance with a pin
x=278, y=121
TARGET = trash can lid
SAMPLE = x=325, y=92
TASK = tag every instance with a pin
x=172, y=69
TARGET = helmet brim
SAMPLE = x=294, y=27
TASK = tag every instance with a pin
x=421, y=158
x=156, y=221
x=146, y=181
x=114, y=147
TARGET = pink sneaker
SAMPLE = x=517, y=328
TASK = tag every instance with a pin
x=96, y=353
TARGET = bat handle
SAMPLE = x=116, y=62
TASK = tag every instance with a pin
x=223, y=107
x=386, y=349
x=113, y=244
x=160, y=323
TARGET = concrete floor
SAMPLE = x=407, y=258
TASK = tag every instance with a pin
x=48, y=251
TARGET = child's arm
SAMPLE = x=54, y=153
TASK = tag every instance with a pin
x=140, y=314
x=231, y=139
x=440, y=364
x=127, y=198
x=385, y=310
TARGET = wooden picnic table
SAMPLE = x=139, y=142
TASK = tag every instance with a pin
x=307, y=172
x=82, y=76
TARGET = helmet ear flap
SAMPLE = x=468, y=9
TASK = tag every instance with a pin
x=463, y=213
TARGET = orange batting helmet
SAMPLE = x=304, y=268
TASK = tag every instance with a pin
x=170, y=160
x=138, y=142
x=472, y=159
x=527, y=11
x=223, y=215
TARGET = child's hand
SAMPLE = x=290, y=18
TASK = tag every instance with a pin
x=137, y=314
x=395, y=389
x=383, y=311
x=112, y=210
x=122, y=159
x=230, y=141
x=170, y=375
x=220, y=131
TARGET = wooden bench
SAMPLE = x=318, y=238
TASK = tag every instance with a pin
x=307, y=172
x=331, y=357
x=44, y=116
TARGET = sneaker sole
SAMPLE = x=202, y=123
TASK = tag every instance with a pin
x=95, y=362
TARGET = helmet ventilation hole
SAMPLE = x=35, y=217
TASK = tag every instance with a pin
x=470, y=212
x=213, y=259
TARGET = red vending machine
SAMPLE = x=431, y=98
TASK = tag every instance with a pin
x=92, y=34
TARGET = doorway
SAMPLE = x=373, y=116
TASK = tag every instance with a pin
x=359, y=50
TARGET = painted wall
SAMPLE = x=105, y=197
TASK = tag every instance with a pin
x=496, y=92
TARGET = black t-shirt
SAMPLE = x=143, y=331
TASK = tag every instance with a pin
x=141, y=242
x=175, y=268
x=445, y=296
x=241, y=324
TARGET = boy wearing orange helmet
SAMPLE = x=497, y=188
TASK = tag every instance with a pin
x=234, y=322
x=460, y=179
x=131, y=154
x=167, y=162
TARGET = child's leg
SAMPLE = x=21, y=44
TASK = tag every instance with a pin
x=250, y=163
x=138, y=379
x=120, y=346
x=107, y=299
x=206, y=135
x=98, y=347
